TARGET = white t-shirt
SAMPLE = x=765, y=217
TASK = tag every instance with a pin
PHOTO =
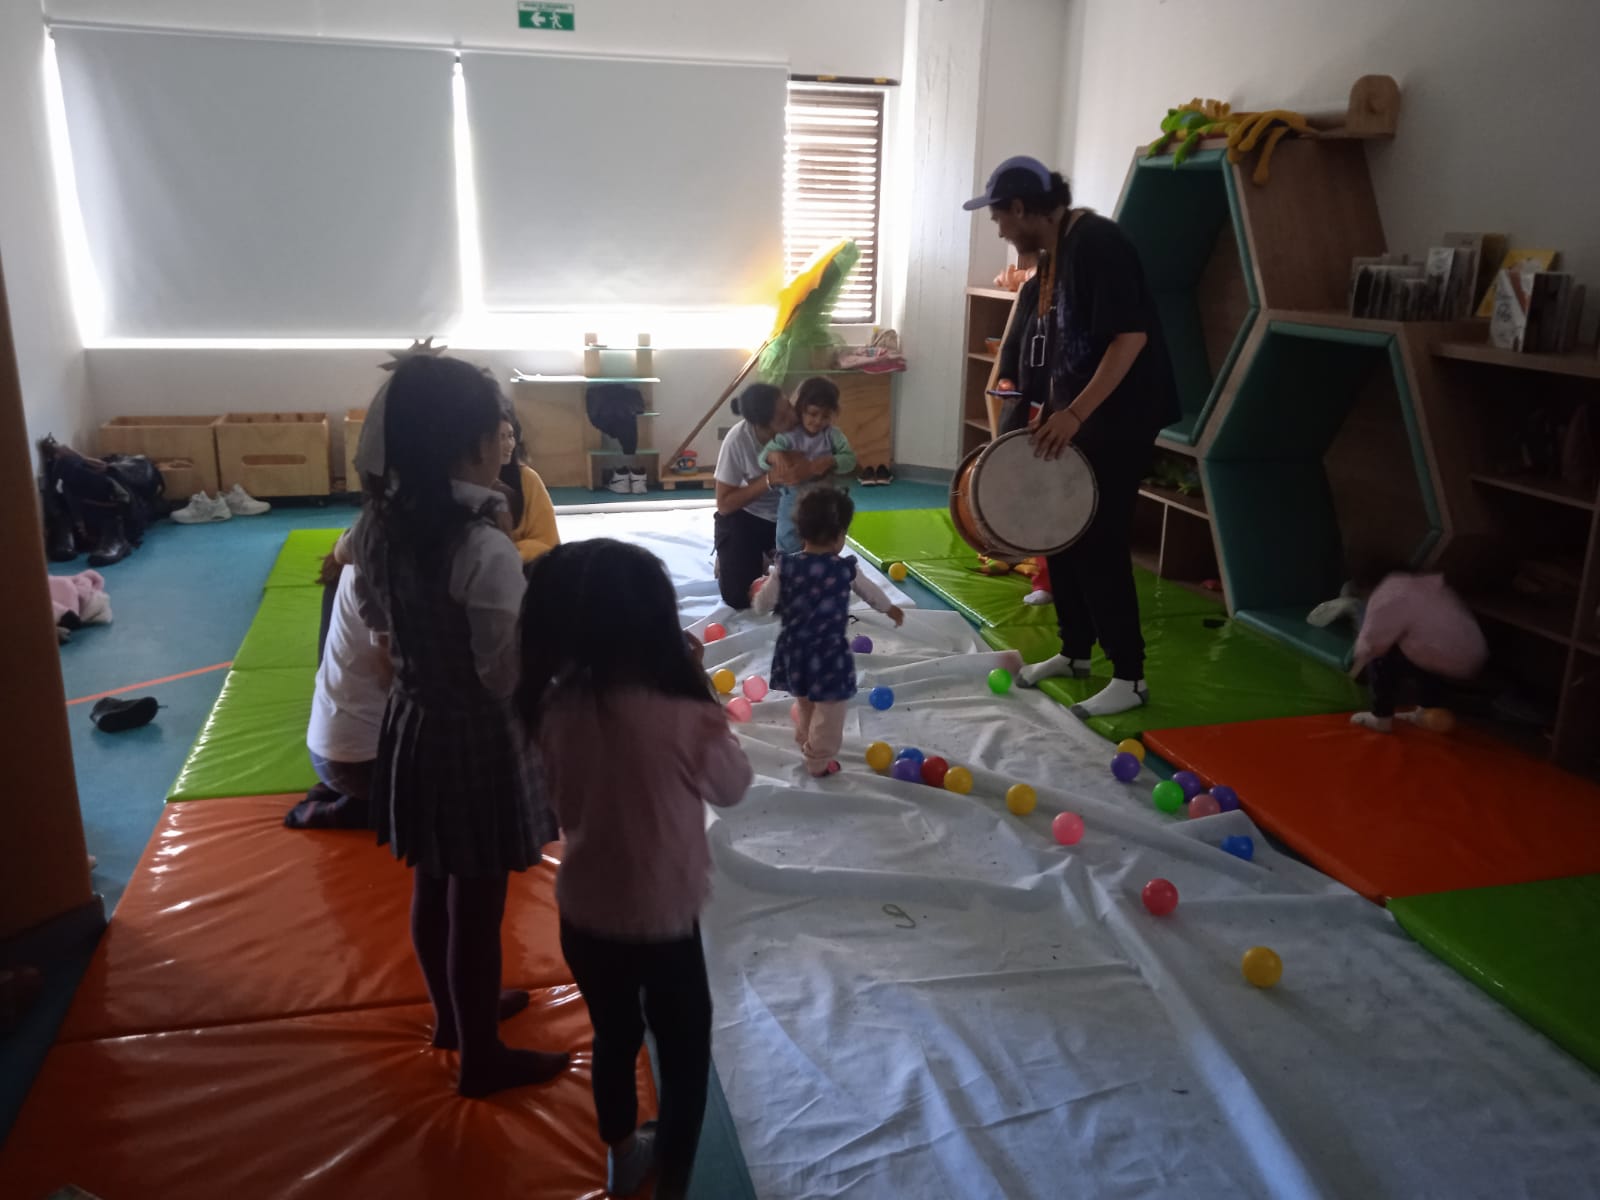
x=352, y=685
x=739, y=463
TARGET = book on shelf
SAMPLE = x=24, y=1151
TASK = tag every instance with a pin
x=1439, y=269
x=1549, y=297
x=1525, y=261
x=1508, y=320
x=1472, y=272
x=1364, y=280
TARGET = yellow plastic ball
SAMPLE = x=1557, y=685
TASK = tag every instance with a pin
x=1261, y=967
x=1438, y=720
x=1021, y=799
x=722, y=680
x=880, y=756
x=958, y=780
x=1131, y=746
x=897, y=571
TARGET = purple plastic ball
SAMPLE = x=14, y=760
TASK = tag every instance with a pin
x=1125, y=767
x=862, y=645
x=1190, y=783
x=1227, y=799
x=906, y=770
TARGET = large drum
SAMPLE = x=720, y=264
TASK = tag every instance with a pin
x=1008, y=504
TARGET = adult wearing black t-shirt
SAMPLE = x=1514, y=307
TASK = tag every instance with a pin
x=1087, y=345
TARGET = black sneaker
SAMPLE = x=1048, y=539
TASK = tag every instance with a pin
x=868, y=477
x=885, y=475
x=117, y=716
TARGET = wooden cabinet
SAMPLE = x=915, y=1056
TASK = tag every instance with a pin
x=988, y=317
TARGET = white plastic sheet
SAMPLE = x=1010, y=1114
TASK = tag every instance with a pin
x=920, y=995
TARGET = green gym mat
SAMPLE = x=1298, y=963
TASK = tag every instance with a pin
x=901, y=535
x=1535, y=947
x=300, y=560
x=254, y=741
x=284, y=633
x=1202, y=670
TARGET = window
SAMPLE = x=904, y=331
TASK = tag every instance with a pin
x=832, y=182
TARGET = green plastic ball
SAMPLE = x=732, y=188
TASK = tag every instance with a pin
x=1167, y=796
x=999, y=681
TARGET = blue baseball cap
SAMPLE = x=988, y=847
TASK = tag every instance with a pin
x=1013, y=179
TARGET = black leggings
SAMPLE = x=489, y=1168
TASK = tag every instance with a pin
x=742, y=543
x=1093, y=578
x=671, y=976
x=1387, y=674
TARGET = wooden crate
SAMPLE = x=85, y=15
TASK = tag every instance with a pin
x=274, y=454
x=354, y=419
x=184, y=449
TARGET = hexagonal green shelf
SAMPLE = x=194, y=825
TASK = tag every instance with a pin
x=1315, y=458
x=1187, y=226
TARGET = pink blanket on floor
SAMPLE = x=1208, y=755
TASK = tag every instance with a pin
x=78, y=594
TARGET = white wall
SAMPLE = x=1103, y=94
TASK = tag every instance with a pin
x=49, y=354
x=1496, y=129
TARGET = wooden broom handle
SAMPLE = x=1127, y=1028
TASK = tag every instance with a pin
x=721, y=400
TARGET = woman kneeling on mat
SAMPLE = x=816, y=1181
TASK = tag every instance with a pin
x=747, y=492
x=1092, y=335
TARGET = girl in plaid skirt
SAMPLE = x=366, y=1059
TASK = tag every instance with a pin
x=636, y=747
x=457, y=789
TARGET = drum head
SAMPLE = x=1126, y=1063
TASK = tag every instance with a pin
x=1036, y=506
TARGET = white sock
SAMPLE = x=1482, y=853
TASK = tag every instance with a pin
x=1117, y=696
x=1378, y=724
x=1414, y=715
x=1052, y=668
x=1038, y=597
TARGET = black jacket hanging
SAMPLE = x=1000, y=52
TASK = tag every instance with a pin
x=614, y=410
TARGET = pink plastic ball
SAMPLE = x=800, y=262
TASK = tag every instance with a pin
x=1160, y=897
x=714, y=633
x=739, y=710
x=756, y=688
x=1204, y=805
x=1068, y=828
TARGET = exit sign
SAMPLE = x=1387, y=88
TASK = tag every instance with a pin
x=536, y=14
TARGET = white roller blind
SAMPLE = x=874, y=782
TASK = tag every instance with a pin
x=236, y=187
x=833, y=182
x=626, y=183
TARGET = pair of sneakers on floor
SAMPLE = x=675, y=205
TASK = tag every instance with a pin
x=878, y=476
x=628, y=483
x=235, y=502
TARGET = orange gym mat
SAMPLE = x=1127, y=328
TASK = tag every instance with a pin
x=335, y=1106
x=229, y=918
x=1404, y=814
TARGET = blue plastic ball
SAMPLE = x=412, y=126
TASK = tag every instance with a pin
x=906, y=770
x=1190, y=783
x=1125, y=767
x=881, y=698
x=1227, y=799
x=1239, y=845
x=910, y=752
x=862, y=645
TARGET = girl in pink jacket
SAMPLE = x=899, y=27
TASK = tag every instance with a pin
x=1415, y=629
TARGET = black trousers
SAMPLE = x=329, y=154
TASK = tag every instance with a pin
x=1387, y=674
x=625, y=985
x=1093, y=578
x=742, y=544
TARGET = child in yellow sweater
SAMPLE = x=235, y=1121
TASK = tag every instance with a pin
x=532, y=517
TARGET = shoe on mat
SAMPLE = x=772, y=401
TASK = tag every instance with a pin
x=111, y=545
x=868, y=476
x=626, y=1173
x=241, y=503
x=117, y=716
x=638, y=482
x=885, y=475
x=201, y=510
x=619, y=483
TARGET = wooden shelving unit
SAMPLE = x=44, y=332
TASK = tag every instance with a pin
x=1172, y=533
x=1538, y=568
x=988, y=316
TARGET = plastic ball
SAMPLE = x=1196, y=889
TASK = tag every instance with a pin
x=912, y=753
x=861, y=645
x=1068, y=828
x=715, y=632
x=1125, y=767
x=1159, y=897
x=1167, y=796
x=1204, y=805
x=1261, y=966
x=906, y=771
x=755, y=687
x=1190, y=783
x=934, y=770
x=881, y=698
x=958, y=780
x=1240, y=845
x=1131, y=746
x=739, y=710
x=1021, y=799
x=1438, y=720
x=999, y=681
x=879, y=756
x=722, y=680
x=897, y=572
x=1227, y=799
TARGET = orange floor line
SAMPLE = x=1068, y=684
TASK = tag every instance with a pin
x=134, y=687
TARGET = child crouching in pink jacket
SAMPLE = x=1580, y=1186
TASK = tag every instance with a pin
x=1417, y=630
